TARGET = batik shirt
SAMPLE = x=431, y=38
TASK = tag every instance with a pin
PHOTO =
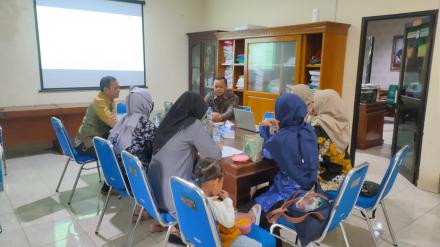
x=223, y=104
x=333, y=163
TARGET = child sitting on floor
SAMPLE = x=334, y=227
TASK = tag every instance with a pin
x=209, y=177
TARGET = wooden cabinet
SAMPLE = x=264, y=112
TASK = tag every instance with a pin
x=371, y=121
x=279, y=57
x=202, y=61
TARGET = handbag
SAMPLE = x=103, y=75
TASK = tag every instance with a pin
x=294, y=211
x=369, y=189
x=297, y=208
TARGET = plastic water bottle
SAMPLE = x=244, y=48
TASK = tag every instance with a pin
x=216, y=135
x=209, y=113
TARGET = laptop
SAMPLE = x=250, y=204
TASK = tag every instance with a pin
x=245, y=120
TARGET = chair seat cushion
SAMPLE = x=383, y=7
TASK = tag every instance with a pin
x=84, y=159
x=366, y=202
x=167, y=218
x=262, y=236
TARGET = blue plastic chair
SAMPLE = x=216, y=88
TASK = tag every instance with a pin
x=340, y=208
x=144, y=196
x=268, y=115
x=196, y=223
x=368, y=204
x=72, y=155
x=121, y=108
x=112, y=174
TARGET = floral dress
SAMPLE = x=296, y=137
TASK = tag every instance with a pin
x=333, y=164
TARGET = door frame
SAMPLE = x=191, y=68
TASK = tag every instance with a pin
x=361, y=56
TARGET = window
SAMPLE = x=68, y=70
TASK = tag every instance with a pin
x=83, y=40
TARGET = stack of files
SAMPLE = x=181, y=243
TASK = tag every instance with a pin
x=228, y=75
x=315, y=79
x=240, y=82
x=228, y=52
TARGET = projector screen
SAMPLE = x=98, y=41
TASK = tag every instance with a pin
x=82, y=41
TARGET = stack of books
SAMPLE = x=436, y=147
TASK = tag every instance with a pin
x=240, y=82
x=315, y=79
x=228, y=52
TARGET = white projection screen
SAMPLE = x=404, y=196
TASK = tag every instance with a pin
x=82, y=41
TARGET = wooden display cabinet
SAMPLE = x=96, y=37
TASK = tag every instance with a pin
x=281, y=56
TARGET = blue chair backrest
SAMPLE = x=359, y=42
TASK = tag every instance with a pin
x=391, y=95
x=63, y=137
x=347, y=195
x=140, y=186
x=109, y=164
x=268, y=115
x=121, y=108
x=196, y=222
x=391, y=173
x=245, y=108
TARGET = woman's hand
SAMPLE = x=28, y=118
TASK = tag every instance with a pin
x=223, y=194
x=271, y=122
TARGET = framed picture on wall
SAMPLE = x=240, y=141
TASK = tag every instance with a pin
x=396, y=52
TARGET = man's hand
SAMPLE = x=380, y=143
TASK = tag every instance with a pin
x=216, y=117
x=223, y=194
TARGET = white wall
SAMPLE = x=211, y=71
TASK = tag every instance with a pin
x=383, y=32
x=351, y=12
x=166, y=22
x=227, y=14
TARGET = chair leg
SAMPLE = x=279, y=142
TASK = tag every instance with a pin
x=370, y=226
x=62, y=174
x=131, y=237
x=390, y=228
x=4, y=165
x=99, y=171
x=344, y=234
x=74, y=185
x=131, y=217
x=167, y=236
x=103, y=210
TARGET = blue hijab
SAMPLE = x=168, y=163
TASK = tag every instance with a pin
x=294, y=147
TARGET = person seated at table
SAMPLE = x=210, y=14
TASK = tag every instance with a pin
x=100, y=117
x=208, y=175
x=293, y=148
x=180, y=137
x=135, y=133
x=332, y=128
x=221, y=101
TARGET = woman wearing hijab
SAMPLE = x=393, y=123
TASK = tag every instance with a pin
x=135, y=133
x=306, y=94
x=332, y=128
x=180, y=137
x=294, y=149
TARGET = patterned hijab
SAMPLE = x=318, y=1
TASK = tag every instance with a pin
x=331, y=116
x=139, y=103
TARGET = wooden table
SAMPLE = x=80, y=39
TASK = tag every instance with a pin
x=240, y=177
x=29, y=127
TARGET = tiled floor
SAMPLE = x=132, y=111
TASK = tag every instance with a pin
x=33, y=214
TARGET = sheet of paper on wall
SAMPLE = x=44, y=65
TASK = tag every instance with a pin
x=229, y=151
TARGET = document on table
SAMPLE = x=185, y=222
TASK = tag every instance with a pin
x=229, y=151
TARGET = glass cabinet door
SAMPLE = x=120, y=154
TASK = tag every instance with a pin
x=209, y=57
x=271, y=64
x=195, y=68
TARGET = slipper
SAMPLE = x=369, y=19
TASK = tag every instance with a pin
x=256, y=211
x=174, y=239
